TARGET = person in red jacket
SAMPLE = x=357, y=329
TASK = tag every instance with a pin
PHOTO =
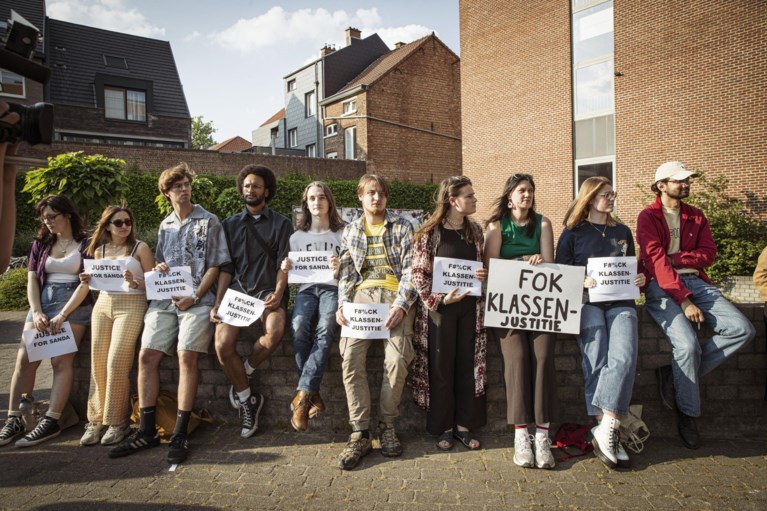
x=676, y=248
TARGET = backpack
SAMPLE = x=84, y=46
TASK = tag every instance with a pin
x=576, y=438
x=165, y=415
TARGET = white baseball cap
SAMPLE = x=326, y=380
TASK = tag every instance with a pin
x=675, y=170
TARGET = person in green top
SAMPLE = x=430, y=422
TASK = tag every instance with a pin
x=516, y=231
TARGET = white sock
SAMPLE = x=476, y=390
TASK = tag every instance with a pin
x=249, y=370
x=542, y=430
x=244, y=395
x=520, y=430
x=14, y=413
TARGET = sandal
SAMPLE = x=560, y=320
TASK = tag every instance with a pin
x=466, y=437
x=446, y=437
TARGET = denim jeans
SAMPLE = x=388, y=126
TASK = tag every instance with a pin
x=315, y=305
x=690, y=360
x=608, y=342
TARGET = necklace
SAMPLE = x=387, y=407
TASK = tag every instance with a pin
x=602, y=232
x=64, y=248
x=455, y=228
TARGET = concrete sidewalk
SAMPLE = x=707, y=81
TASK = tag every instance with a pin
x=278, y=470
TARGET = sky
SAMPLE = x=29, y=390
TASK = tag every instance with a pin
x=232, y=54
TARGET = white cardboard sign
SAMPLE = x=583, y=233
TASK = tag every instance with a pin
x=107, y=274
x=545, y=298
x=42, y=345
x=449, y=273
x=615, y=278
x=239, y=309
x=164, y=286
x=311, y=267
x=366, y=321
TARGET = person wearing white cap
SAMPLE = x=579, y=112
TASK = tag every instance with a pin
x=676, y=248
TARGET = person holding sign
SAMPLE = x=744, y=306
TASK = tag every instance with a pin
x=55, y=296
x=258, y=240
x=516, y=231
x=449, y=371
x=609, y=333
x=375, y=268
x=115, y=324
x=676, y=248
x=189, y=236
x=319, y=230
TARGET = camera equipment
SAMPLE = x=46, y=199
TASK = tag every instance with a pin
x=35, y=124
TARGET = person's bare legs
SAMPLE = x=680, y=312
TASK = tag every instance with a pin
x=274, y=329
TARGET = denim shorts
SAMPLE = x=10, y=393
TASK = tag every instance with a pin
x=55, y=296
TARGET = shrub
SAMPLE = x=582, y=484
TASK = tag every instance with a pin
x=13, y=290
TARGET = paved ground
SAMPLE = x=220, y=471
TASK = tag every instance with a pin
x=285, y=470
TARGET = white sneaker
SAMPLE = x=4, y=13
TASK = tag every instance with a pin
x=543, y=456
x=622, y=456
x=115, y=434
x=92, y=433
x=605, y=445
x=523, y=451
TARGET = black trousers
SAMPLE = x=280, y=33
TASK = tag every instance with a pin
x=452, y=334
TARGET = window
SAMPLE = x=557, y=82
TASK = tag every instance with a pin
x=116, y=62
x=331, y=129
x=311, y=150
x=11, y=84
x=350, y=139
x=291, y=85
x=293, y=137
x=125, y=104
x=332, y=156
x=350, y=106
x=273, y=134
x=310, y=105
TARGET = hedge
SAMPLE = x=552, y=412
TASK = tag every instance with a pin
x=13, y=290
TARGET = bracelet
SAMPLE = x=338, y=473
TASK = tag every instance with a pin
x=134, y=281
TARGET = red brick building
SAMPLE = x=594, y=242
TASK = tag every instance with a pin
x=402, y=114
x=568, y=90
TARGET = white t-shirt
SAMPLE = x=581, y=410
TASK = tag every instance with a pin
x=327, y=241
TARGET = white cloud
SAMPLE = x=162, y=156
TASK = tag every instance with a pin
x=192, y=36
x=406, y=34
x=106, y=14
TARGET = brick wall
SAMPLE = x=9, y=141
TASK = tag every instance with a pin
x=208, y=162
x=733, y=394
x=740, y=289
x=515, y=98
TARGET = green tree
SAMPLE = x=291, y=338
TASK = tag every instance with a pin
x=202, y=133
x=91, y=181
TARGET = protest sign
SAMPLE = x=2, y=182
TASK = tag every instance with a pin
x=42, y=345
x=449, y=274
x=164, y=286
x=312, y=267
x=366, y=321
x=545, y=297
x=106, y=274
x=615, y=278
x=239, y=309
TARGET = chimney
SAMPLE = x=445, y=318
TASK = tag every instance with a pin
x=326, y=50
x=398, y=45
x=352, y=34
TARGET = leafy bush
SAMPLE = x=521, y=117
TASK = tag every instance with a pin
x=91, y=181
x=13, y=290
x=139, y=194
x=228, y=203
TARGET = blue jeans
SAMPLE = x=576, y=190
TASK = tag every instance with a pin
x=608, y=342
x=315, y=304
x=690, y=360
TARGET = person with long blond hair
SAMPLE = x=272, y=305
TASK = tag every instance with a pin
x=449, y=370
x=319, y=229
x=116, y=322
x=608, y=335
x=516, y=231
x=55, y=296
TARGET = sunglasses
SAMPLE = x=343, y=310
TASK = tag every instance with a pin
x=120, y=223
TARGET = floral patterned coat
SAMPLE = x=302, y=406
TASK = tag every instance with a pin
x=422, y=258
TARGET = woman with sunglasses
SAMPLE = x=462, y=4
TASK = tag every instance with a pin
x=609, y=336
x=449, y=370
x=516, y=231
x=55, y=296
x=116, y=322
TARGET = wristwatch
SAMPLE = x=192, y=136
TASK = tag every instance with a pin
x=196, y=299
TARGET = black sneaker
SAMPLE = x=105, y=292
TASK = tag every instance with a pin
x=46, y=429
x=665, y=379
x=249, y=412
x=14, y=427
x=179, y=449
x=688, y=430
x=137, y=441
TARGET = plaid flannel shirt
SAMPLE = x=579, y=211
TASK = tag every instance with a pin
x=398, y=242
